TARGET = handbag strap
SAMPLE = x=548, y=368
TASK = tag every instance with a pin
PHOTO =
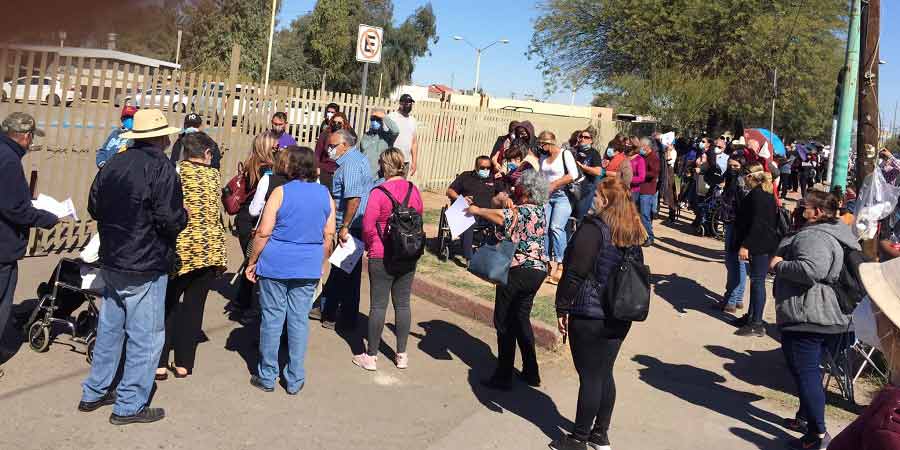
x=515, y=220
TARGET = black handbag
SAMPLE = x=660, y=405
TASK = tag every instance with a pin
x=573, y=189
x=628, y=289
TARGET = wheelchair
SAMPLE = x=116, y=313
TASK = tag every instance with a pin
x=445, y=246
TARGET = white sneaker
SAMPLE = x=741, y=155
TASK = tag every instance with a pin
x=365, y=361
x=402, y=360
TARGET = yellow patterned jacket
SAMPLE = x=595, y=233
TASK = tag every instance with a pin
x=202, y=243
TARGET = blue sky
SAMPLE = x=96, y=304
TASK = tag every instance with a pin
x=505, y=68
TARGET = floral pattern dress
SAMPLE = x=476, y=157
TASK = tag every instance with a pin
x=528, y=233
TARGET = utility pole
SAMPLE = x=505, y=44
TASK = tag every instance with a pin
x=848, y=100
x=868, y=119
x=178, y=48
x=774, y=97
x=269, y=54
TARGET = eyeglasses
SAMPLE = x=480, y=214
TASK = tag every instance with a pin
x=585, y=136
x=544, y=143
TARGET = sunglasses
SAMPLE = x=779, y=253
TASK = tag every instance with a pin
x=586, y=136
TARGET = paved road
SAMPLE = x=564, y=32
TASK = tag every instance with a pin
x=684, y=382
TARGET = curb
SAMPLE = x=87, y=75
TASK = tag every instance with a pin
x=481, y=310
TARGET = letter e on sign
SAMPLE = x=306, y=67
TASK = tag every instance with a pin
x=369, y=42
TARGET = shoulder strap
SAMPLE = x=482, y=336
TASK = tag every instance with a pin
x=390, y=197
x=566, y=166
x=408, y=194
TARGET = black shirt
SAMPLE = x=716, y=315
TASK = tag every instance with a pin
x=589, y=157
x=469, y=184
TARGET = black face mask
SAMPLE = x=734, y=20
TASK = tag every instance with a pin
x=406, y=108
x=336, y=126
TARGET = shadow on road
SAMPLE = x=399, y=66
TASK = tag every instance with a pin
x=685, y=294
x=443, y=340
x=759, y=368
x=717, y=255
x=702, y=388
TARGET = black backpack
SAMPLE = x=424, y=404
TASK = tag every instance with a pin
x=783, y=223
x=627, y=295
x=403, y=235
x=848, y=288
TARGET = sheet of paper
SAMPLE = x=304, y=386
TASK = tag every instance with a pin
x=667, y=139
x=347, y=255
x=457, y=218
x=58, y=208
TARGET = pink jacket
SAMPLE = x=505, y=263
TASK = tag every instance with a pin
x=378, y=210
x=639, y=173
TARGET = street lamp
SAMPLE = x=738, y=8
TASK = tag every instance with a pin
x=478, y=54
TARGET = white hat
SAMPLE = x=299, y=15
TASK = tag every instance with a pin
x=149, y=123
x=882, y=283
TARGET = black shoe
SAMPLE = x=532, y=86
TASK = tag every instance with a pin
x=568, y=442
x=531, y=380
x=256, y=382
x=647, y=244
x=297, y=391
x=599, y=441
x=108, y=399
x=146, y=415
x=741, y=321
x=810, y=443
x=752, y=329
x=497, y=384
x=328, y=325
x=795, y=425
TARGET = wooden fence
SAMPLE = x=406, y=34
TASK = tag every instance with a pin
x=77, y=101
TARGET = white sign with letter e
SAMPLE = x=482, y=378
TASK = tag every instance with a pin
x=369, y=42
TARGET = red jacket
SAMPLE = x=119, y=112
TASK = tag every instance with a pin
x=651, y=177
x=877, y=428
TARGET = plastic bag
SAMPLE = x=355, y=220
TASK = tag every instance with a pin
x=876, y=200
x=864, y=325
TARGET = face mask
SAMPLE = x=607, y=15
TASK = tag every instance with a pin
x=719, y=150
x=512, y=135
x=406, y=108
x=484, y=173
x=585, y=146
x=511, y=166
x=336, y=126
x=332, y=151
x=329, y=115
x=278, y=131
x=375, y=125
x=610, y=153
x=643, y=152
x=702, y=146
x=190, y=130
x=128, y=123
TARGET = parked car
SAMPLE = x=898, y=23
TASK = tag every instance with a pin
x=164, y=99
x=42, y=89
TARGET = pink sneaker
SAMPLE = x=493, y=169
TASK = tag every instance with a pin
x=365, y=361
x=402, y=360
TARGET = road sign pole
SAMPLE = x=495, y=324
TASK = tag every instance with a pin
x=848, y=101
x=362, y=102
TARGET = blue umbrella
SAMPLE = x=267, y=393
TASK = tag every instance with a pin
x=774, y=141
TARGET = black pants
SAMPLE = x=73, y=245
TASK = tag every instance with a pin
x=342, y=290
x=185, y=299
x=595, y=345
x=9, y=275
x=512, y=319
x=245, y=287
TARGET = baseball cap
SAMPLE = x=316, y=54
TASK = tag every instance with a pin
x=193, y=120
x=20, y=122
x=129, y=111
x=406, y=98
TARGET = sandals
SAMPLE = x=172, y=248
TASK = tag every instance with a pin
x=171, y=368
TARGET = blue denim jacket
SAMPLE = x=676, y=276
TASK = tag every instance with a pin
x=112, y=146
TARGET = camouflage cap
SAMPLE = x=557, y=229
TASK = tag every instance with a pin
x=20, y=122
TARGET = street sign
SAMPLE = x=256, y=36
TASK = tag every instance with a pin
x=369, y=42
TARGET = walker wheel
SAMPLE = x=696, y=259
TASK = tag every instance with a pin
x=39, y=337
x=90, y=349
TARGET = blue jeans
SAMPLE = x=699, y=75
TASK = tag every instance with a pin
x=284, y=301
x=737, y=270
x=134, y=307
x=646, y=203
x=586, y=202
x=803, y=353
x=558, y=210
x=759, y=267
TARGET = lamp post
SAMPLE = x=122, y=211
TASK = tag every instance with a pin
x=269, y=53
x=478, y=52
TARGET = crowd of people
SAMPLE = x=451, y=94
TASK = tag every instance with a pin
x=573, y=213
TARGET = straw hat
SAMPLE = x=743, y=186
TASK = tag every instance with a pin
x=149, y=123
x=882, y=283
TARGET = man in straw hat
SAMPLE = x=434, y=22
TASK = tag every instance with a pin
x=137, y=201
x=878, y=427
x=17, y=214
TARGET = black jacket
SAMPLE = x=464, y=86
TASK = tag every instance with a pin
x=17, y=214
x=754, y=225
x=138, y=203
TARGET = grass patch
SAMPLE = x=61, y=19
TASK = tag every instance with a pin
x=431, y=216
x=451, y=275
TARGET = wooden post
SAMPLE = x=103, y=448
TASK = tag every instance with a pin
x=868, y=118
x=228, y=104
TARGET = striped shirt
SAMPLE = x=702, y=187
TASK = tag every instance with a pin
x=352, y=179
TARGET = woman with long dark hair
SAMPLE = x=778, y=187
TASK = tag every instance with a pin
x=613, y=229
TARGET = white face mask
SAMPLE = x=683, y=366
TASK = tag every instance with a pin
x=719, y=150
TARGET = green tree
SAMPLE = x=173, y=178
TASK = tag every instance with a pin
x=741, y=42
x=677, y=99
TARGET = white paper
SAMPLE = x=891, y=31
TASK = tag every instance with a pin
x=667, y=139
x=347, y=254
x=91, y=252
x=58, y=208
x=457, y=218
x=90, y=279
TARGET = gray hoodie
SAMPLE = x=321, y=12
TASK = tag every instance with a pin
x=812, y=258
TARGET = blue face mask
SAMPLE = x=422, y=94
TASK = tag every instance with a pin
x=643, y=152
x=511, y=166
x=484, y=173
x=375, y=125
x=610, y=153
x=128, y=123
